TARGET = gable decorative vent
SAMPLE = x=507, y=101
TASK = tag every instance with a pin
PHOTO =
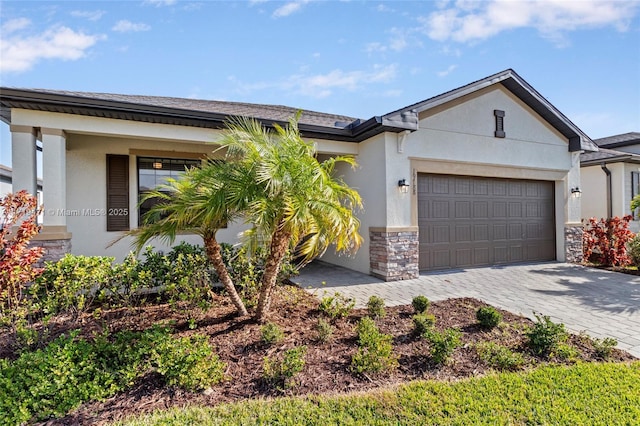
x=499, y=114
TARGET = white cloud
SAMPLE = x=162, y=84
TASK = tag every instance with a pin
x=322, y=85
x=124, y=26
x=399, y=40
x=22, y=52
x=469, y=21
x=14, y=25
x=289, y=8
x=91, y=15
x=446, y=72
x=159, y=3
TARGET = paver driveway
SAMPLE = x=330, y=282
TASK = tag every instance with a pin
x=601, y=303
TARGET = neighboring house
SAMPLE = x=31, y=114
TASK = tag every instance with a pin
x=6, y=177
x=481, y=175
x=611, y=177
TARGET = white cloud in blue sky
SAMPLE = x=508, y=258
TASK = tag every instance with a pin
x=91, y=15
x=125, y=26
x=468, y=21
x=22, y=48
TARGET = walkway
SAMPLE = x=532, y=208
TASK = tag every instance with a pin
x=601, y=303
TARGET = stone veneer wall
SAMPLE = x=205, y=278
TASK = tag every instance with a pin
x=394, y=253
x=54, y=250
x=573, y=243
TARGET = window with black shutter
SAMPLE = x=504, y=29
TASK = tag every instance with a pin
x=117, y=192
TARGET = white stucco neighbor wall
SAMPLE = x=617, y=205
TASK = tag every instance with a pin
x=594, y=192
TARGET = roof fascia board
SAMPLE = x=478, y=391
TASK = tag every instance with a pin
x=89, y=106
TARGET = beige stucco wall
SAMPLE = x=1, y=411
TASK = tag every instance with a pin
x=594, y=192
x=371, y=181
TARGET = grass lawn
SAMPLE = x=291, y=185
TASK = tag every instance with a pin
x=581, y=394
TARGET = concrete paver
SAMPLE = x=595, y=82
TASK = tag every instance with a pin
x=600, y=303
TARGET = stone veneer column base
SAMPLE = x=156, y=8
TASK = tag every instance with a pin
x=573, y=243
x=56, y=242
x=394, y=253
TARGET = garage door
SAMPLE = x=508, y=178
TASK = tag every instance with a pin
x=469, y=221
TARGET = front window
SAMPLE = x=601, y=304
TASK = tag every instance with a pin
x=153, y=172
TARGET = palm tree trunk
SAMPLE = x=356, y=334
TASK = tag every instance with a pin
x=277, y=251
x=212, y=248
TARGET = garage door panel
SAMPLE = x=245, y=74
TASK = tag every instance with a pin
x=472, y=221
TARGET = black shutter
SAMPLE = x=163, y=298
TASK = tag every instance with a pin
x=117, y=192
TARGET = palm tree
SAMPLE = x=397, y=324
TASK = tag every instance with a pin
x=196, y=203
x=291, y=199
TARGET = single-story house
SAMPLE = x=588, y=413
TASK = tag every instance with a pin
x=611, y=178
x=480, y=175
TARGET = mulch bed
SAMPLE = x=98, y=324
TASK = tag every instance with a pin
x=238, y=343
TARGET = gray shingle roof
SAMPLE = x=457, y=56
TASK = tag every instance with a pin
x=608, y=156
x=279, y=113
x=623, y=139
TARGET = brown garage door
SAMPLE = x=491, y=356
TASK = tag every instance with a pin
x=469, y=221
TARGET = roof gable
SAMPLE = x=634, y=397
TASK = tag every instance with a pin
x=578, y=140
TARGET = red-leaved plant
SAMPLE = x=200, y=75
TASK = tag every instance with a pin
x=605, y=241
x=18, y=222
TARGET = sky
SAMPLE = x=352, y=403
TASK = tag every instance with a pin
x=356, y=58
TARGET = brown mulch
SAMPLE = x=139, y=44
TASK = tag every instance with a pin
x=238, y=343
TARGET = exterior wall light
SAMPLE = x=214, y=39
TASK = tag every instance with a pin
x=403, y=185
x=576, y=192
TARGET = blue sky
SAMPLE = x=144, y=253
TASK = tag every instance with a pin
x=357, y=58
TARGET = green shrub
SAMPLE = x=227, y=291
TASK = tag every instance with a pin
x=422, y=323
x=336, y=306
x=500, y=357
x=375, y=307
x=271, y=333
x=604, y=347
x=545, y=336
x=442, y=344
x=72, y=283
x=188, y=362
x=375, y=352
x=633, y=248
x=126, y=282
x=50, y=382
x=281, y=370
x=420, y=304
x=488, y=317
x=246, y=268
x=325, y=330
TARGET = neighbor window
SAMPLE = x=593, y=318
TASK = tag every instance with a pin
x=153, y=172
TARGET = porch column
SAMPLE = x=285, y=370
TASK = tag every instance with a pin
x=54, y=236
x=54, y=177
x=23, y=159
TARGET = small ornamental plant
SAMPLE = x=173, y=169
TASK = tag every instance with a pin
x=420, y=304
x=375, y=351
x=422, y=323
x=375, y=307
x=488, y=317
x=336, y=306
x=271, y=333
